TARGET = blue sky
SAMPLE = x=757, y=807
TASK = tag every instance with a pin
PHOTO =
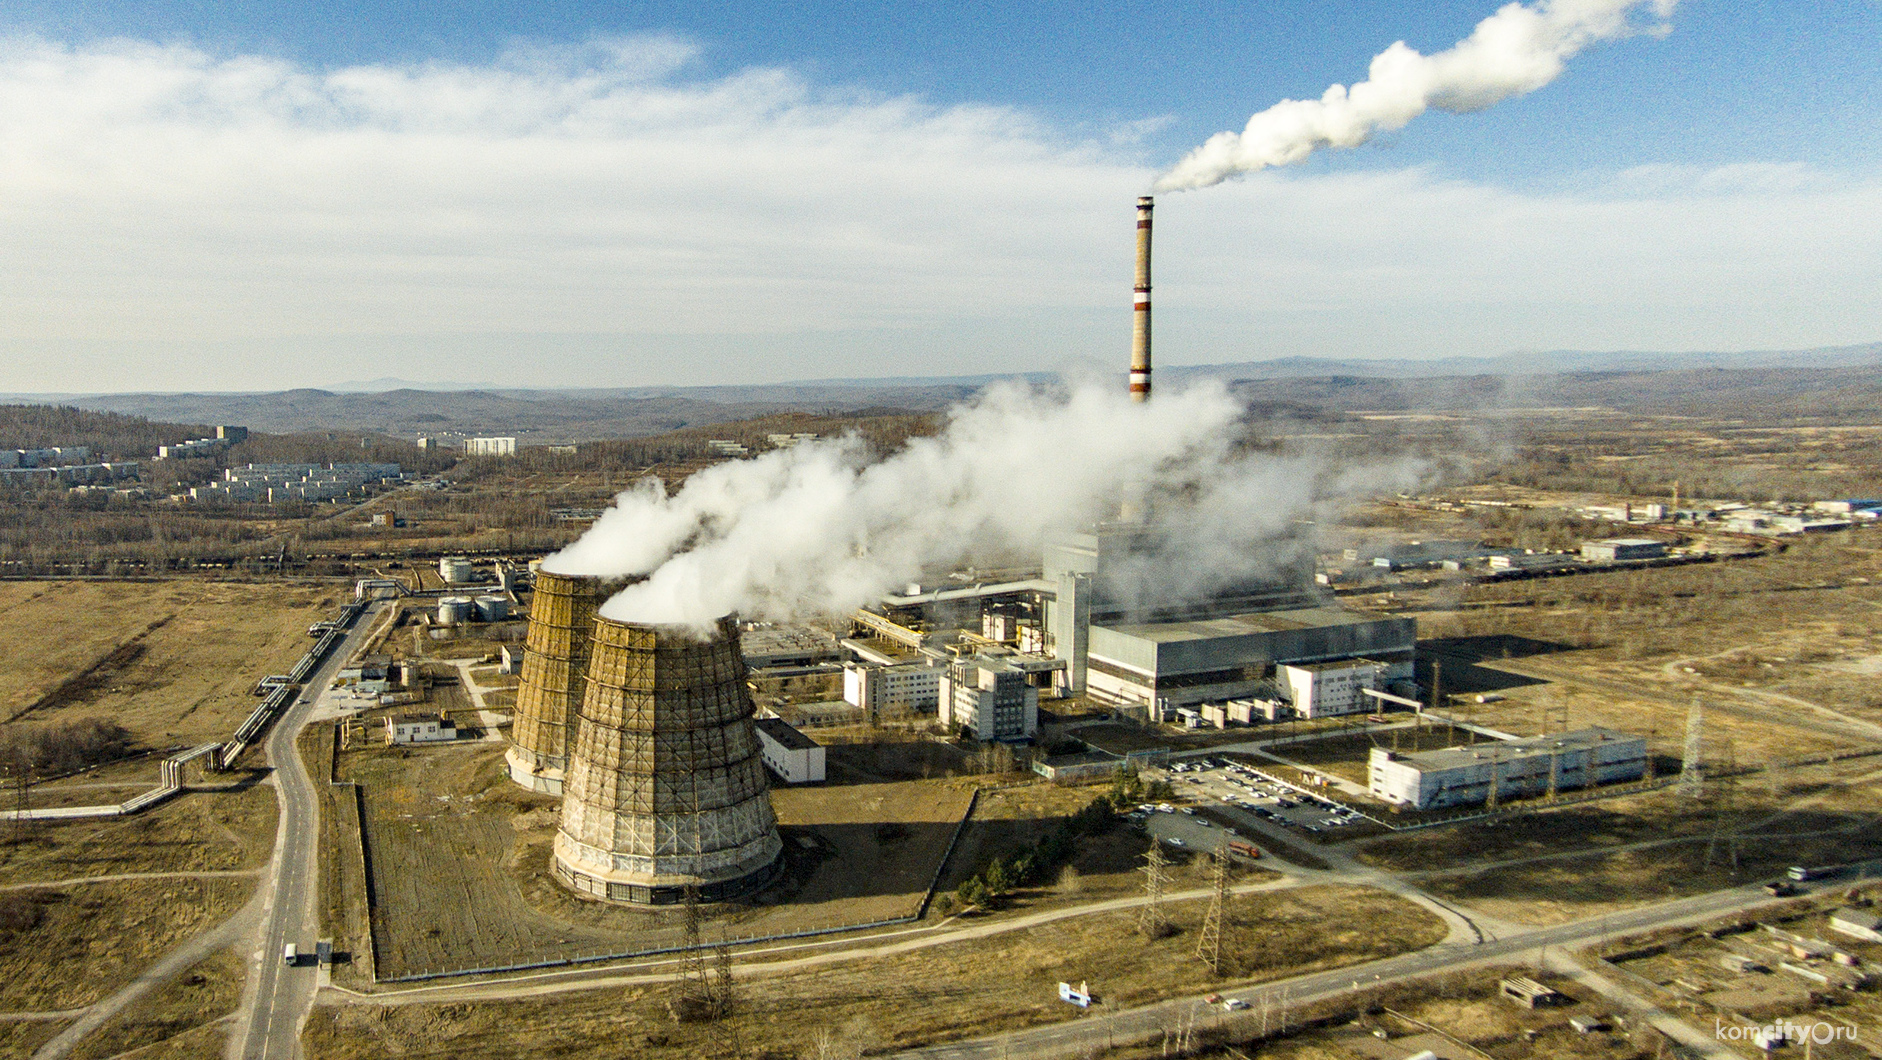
x=235, y=196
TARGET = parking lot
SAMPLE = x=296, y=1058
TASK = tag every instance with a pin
x=1241, y=794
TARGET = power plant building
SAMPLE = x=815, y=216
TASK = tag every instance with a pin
x=1462, y=776
x=665, y=789
x=1176, y=664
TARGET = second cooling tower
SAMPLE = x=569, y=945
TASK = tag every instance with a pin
x=665, y=788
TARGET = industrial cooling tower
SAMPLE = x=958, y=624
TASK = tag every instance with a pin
x=555, y=665
x=665, y=786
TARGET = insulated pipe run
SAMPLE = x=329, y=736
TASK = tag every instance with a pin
x=1140, y=316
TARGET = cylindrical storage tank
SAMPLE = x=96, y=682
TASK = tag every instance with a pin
x=555, y=672
x=456, y=570
x=665, y=788
x=455, y=610
x=493, y=608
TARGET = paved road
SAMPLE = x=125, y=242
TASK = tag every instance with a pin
x=277, y=997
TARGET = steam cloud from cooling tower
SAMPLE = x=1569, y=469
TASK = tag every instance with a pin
x=822, y=527
x=1519, y=49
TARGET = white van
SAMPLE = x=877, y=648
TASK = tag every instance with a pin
x=291, y=955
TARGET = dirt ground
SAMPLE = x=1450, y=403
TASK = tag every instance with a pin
x=173, y=661
x=906, y=1000
x=461, y=863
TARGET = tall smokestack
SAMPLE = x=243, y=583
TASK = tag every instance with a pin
x=1140, y=318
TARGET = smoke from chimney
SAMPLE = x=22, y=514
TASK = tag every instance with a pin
x=823, y=527
x=1519, y=49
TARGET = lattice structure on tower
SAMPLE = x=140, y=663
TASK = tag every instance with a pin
x=665, y=787
x=1150, y=919
x=1691, y=782
x=1209, y=940
x=555, y=677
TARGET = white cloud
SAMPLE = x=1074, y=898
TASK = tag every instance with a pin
x=599, y=215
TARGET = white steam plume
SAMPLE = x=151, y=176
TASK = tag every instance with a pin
x=820, y=528
x=1513, y=52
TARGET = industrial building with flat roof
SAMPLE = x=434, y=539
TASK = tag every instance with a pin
x=1234, y=657
x=989, y=698
x=793, y=757
x=906, y=688
x=1459, y=776
x=1623, y=548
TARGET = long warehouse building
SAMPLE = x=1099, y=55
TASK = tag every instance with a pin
x=1462, y=776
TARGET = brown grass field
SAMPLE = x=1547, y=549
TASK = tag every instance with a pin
x=461, y=863
x=89, y=938
x=179, y=1019
x=942, y=993
x=173, y=661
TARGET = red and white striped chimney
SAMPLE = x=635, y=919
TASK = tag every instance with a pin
x=1140, y=317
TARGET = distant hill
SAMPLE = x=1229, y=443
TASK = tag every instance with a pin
x=1839, y=381
x=109, y=435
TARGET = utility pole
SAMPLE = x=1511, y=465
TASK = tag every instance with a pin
x=1151, y=921
x=1209, y=941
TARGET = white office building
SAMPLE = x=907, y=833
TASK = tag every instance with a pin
x=890, y=690
x=990, y=699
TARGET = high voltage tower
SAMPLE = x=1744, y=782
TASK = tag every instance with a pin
x=1691, y=784
x=1209, y=942
x=1151, y=921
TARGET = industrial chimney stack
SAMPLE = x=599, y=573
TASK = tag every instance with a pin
x=1140, y=318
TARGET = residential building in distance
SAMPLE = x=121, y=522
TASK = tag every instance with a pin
x=281, y=483
x=489, y=447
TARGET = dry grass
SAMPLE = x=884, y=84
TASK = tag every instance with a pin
x=195, y=832
x=177, y=1019
x=19, y=1039
x=895, y=1002
x=92, y=937
x=172, y=661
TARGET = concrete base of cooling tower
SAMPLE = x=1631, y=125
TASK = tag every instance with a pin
x=533, y=772
x=644, y=889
